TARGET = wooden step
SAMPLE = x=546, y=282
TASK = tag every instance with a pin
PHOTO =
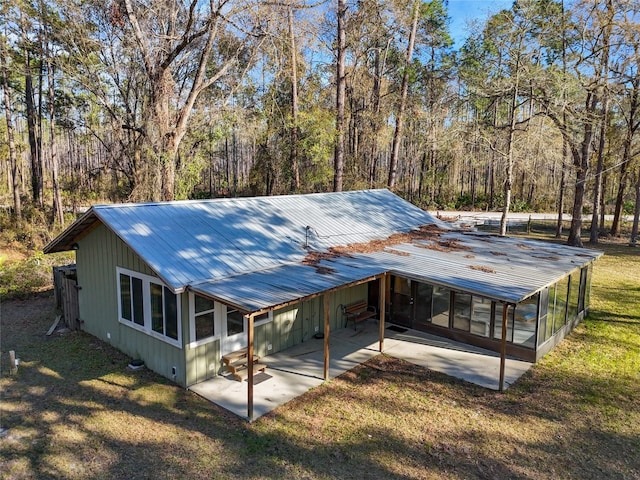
x=242, y=372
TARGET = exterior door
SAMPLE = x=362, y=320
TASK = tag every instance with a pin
x=233, y=332
x=401, y=301
x=411, y=303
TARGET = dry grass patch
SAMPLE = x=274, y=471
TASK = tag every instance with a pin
x=74, y=411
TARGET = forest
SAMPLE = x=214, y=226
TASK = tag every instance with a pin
x=125, y=100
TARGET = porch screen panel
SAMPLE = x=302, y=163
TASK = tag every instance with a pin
x=497, y=330
x=560, y=310
x=583, y=284
x=525, y=320
x=440, y=306
x=461, y=311
x=574, y=295
x=422, y=303
x=587, y=287
x=551, y=305
x=481, y=316
x=542, y=315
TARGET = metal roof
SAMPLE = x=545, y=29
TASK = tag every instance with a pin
x=250, y=252
x=507, y=269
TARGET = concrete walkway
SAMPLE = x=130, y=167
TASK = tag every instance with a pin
x=299, y=369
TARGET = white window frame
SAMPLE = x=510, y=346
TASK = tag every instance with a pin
x=217, y=315
x=146, y=298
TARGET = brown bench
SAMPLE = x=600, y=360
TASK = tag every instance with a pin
x=358, y=312
x=237, y=363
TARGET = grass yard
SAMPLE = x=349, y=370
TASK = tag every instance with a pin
x=74, y=411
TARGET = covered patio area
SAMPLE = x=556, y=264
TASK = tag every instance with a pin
x=292, y=372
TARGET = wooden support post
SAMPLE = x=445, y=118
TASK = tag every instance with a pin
x=503, y=346
x=12, y=362
x=325, y=304
x=381, y=308
x=250, y=367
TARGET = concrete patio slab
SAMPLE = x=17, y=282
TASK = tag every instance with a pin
x=295, y=371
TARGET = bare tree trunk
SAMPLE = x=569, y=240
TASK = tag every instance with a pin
x=13, y=159
x=563, y=180
x=397, y=135
x=341, y=82
x=597, y=190
x=565, y=145
x=632, y=125
x=32, y=126
x=581, y=163
x=295, y=170
x=636, y=215
x=58, y=214
x=379, y=68
x=512, y=130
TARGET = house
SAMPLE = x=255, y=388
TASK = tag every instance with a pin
x=183, y=284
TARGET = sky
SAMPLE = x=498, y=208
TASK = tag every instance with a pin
x=462, y=11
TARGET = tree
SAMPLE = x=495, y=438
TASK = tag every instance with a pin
x=511, y=52
x=341, y=82
x=573, y=100
x=606, y=28
x=626, y=70
x=397, y=136
x=633, y=240
x=186, y=48
x=295, y=170
x=8, y=111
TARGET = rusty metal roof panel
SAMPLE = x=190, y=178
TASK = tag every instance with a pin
x=187, y=242
x=249, y=252
x=502, y=268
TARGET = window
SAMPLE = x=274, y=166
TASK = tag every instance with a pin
x=542, y=314
x=147, y=305
x=587, y=287
x=574, y=296
x=583, y=284
x=131, y=299
x=164, y=312
x=440, y=306
x=551, y=308
x=560, y=310
x=263, y=318
x=461, y=311
x=480, y=316
x=525, y=321
x=235, y=322
x=204, y=318
x=497, y=330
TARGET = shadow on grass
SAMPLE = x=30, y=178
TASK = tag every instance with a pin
x=75, y=411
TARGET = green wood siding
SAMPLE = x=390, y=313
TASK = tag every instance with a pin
x=99, y=253
x=203, y=362
x=297, y=323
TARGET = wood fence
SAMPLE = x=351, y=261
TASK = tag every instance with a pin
x=65, y=286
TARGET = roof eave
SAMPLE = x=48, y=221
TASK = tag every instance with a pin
x=64, y=242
